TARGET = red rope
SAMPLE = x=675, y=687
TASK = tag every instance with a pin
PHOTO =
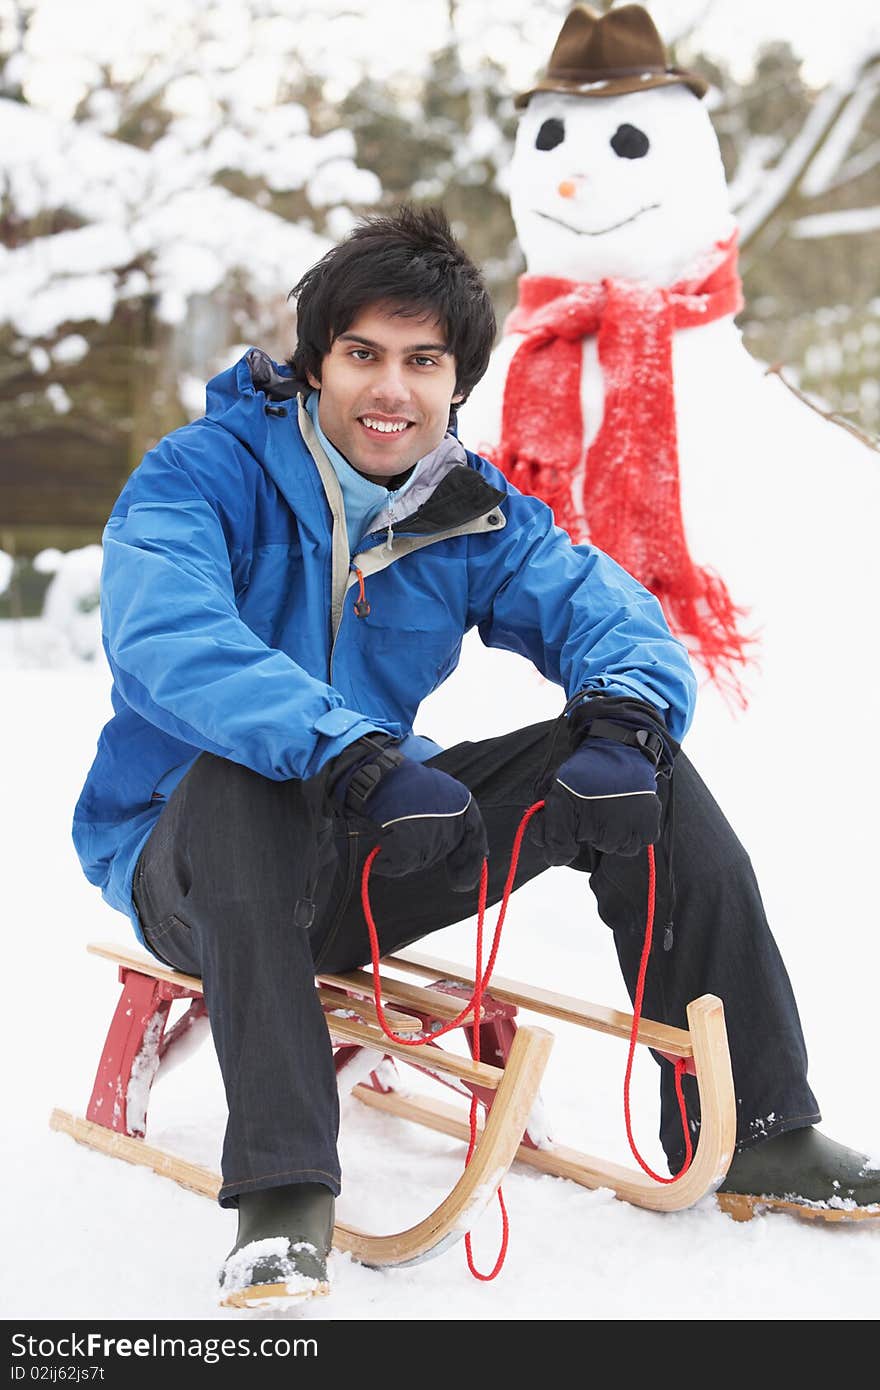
x=481, y=983
x=680, y=1064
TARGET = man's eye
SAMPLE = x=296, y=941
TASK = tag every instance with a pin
x=361, y=353
x=425, y=361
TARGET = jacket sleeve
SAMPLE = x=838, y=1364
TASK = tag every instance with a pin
x=583, y=620
x=180, y=653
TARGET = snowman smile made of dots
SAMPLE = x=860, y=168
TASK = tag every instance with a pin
x=643, y=165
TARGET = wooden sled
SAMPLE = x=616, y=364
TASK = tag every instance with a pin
x=137, y=1043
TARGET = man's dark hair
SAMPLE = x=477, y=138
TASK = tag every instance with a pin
x=411, y=261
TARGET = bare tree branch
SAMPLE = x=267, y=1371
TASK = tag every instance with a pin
x=830, y=415
x=861, y=163
x=829, y=158
x=844, y=222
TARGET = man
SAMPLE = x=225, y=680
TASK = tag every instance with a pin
x=284, y=581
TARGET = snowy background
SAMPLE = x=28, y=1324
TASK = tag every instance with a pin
x=88, y=1237
x=91, y=1237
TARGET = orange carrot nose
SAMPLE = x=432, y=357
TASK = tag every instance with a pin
x=567, y=189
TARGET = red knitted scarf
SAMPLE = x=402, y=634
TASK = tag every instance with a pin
x=631, y=496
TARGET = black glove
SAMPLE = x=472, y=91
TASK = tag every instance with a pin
x=423, y=816
x=605, y=794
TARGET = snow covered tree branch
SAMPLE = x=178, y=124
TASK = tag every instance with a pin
x=809, y=164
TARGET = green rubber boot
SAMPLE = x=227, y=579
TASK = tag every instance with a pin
x=803, y=1172
x=284, y=1238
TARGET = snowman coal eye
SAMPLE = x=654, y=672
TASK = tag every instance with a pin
x=629, y=142
x=551, y=134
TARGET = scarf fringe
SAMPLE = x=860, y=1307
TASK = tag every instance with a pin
x=536, y=478
x=707, y=620
x=697, y=605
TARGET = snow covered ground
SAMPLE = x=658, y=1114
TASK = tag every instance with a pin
x=88, y=1237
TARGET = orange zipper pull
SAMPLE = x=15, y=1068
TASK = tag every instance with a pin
x=361, y=606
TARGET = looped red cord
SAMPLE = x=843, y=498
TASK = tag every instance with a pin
x=680, y=1064
x=481, y=982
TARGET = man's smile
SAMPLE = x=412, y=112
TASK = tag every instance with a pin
x=378, y=424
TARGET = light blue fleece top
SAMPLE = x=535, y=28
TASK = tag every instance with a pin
x=362, y=499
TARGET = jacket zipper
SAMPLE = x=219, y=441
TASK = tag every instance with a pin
x=356, y=575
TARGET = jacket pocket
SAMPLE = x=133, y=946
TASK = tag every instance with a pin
x=171, y=941
x=429, y=654
x=168, y=781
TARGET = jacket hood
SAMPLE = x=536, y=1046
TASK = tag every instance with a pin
x=253, y=374
x=274, y=381
x=236, y=394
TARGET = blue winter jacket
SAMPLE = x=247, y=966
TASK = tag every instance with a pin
x=228, y=606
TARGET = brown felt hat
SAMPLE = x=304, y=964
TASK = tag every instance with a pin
x=607, y=55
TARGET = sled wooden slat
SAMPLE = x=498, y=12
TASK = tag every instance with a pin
x=434, y=1058
x=342, y=1030
x=366, y=1010
x=132, y=959
x=676, y=1041
x=186, y=1174
x=444, y=1006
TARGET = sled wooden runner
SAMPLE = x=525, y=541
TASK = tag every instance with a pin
x=703, y=1046
x=137, y=1042
x=115, y=1121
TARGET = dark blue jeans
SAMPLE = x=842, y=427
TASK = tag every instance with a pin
x=255, y=885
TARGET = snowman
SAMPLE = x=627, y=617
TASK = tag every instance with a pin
x=622, y=394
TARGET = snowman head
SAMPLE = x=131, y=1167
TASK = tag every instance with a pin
x=631, y=186
x=616, y=170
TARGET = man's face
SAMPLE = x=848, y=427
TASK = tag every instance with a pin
x=386, y=387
